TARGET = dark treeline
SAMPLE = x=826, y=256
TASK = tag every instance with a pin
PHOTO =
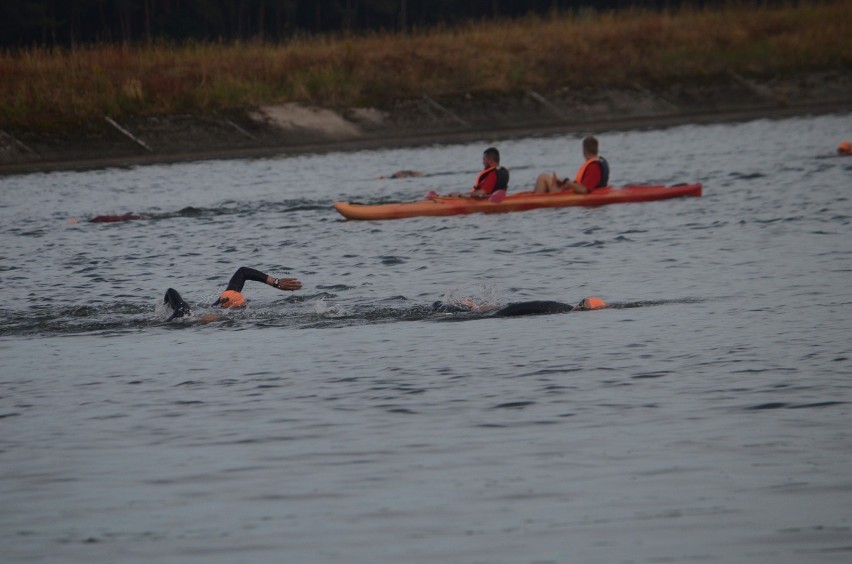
x=68, y=23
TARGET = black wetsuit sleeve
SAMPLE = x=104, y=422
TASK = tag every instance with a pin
x=533, y=308
x=243, y=273
x=179, y=307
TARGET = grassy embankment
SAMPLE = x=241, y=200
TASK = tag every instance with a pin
x=51, y=90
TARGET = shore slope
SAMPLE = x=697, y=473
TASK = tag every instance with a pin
x=294, y=128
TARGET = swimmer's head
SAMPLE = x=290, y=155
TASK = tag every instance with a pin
x=591, y=303
x=845, y=148
x=230, y=298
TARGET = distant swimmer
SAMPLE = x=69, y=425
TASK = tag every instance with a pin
x=403, y=174
x=541, y=307
x=536, y=307
x=232, y=296
x=593, y=173
x=116, y=218
x=845, y=148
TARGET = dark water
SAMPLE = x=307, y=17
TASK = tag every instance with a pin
x=705, y=418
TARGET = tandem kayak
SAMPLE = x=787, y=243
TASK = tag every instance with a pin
x=521, y=201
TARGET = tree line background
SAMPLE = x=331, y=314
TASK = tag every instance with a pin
x=68, y=23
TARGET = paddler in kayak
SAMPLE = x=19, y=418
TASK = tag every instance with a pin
x=491, y=180
x=593, y=173
x=232, y=296
x=536, y=307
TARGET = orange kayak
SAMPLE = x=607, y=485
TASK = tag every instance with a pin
x=522, y=201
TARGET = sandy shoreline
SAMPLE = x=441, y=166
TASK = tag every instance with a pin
x=292, y=129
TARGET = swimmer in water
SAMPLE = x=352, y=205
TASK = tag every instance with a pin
x=116, y=218
x=537, y=307
x=232, y=296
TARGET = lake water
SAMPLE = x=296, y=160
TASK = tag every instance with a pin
x=706, y=416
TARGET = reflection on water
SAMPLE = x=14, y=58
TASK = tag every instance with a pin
x=703, y=416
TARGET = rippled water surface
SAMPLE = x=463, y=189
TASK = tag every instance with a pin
x=704, y=417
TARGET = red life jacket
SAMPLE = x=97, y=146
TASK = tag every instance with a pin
x=604, y=172
x=501, y=183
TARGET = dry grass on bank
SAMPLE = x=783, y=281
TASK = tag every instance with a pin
x=43, y=89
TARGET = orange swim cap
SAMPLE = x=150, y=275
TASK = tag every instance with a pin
x=845, y=148
x=230, y=298
x=592, y=303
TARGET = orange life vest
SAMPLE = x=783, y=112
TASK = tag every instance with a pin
x=582, y=171
x=604, y=171
x=501, y=183
x=482, y=176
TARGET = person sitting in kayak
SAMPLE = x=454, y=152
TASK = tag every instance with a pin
x=594, y=173
x=493, y=177
x=536, y=307
x=232, y=296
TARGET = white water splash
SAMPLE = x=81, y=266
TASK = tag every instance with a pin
x=479, y=299
x=330, y=310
